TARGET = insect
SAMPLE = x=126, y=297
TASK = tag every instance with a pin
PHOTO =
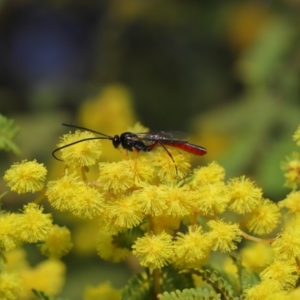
x=141, y=141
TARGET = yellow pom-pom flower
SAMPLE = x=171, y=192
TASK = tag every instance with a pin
x=243, y=194
x=10, y=285
x=291, y=202
x=154, y=251
x=80, y=154
x=62, y=193
x=210, y=199
x=9, y=229
x=34, y=225
x=57, y=243
x=291, y=168
x=296, y=136
x=267, y=290
x=72, y=194
x=144, y=171
x=116, y=176
x=178, y=200
x=285, y=272
x=152, y=200
x=103, y=291
x=192, y=248
x=287, y=244
x=48, y=276
x=207, y=175
x=123, y=213
x=264, y=218
x=27, y=176
x=224, y=236
x=169, y=169
x=88, y=202
x=256, y=256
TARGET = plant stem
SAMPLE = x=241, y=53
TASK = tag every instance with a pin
x=39, y=198
x=256, y=239
x=156, y=285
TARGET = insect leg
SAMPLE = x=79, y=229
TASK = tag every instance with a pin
x=169, y=153
x=136, y=153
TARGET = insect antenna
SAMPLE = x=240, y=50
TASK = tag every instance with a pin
x=104, y=137
x=90, y=130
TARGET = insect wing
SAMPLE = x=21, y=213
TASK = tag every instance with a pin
x=162, y=136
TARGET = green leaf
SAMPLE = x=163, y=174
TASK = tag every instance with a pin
x=190, y=294
x=39, y=295
x=139, y=287
x=127, y=238
x=246, y=278
x=173, y=280
x=218, y=282
x=8, y=131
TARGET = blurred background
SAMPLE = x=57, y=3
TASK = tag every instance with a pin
x=225, y=72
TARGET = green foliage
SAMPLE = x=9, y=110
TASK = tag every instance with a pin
x=246, y=279
x=190, y=294
x=139, y=287
x=174, y=280
x=127, y=238
x=8, y=131
x=219, y=284
x=180, y=285
x=39, y=295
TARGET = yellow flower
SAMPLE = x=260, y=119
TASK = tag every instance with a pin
x=63, y=192
x=207, y=175
x=116, y=176
x=256, y=256
x=285, y=272
x=154, y=251
x=192, y=248
x=144, y=171
x=48, y=276
x=33, y=224
x=79, y=154
x=264, y=218
x=210, y=199
x=177, y=200
x=287, y=244
x=291, y=202
x=296, y=136
x=169, y=169
x=103, y=291
x=27, y=176
x=122, y=214
x=88, y=202
x=151, y=199
x=292, y=170
x=9, y=229
x=223, y=235
x=109, y=251
x=243, y=194
x=16, y=260
x=267, y=290
x=10, y=284
x=58, y=242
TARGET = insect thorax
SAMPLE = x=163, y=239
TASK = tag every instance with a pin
x=130, y=141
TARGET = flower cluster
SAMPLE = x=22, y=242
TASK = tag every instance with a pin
x=156, y=193
x=183, y=215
